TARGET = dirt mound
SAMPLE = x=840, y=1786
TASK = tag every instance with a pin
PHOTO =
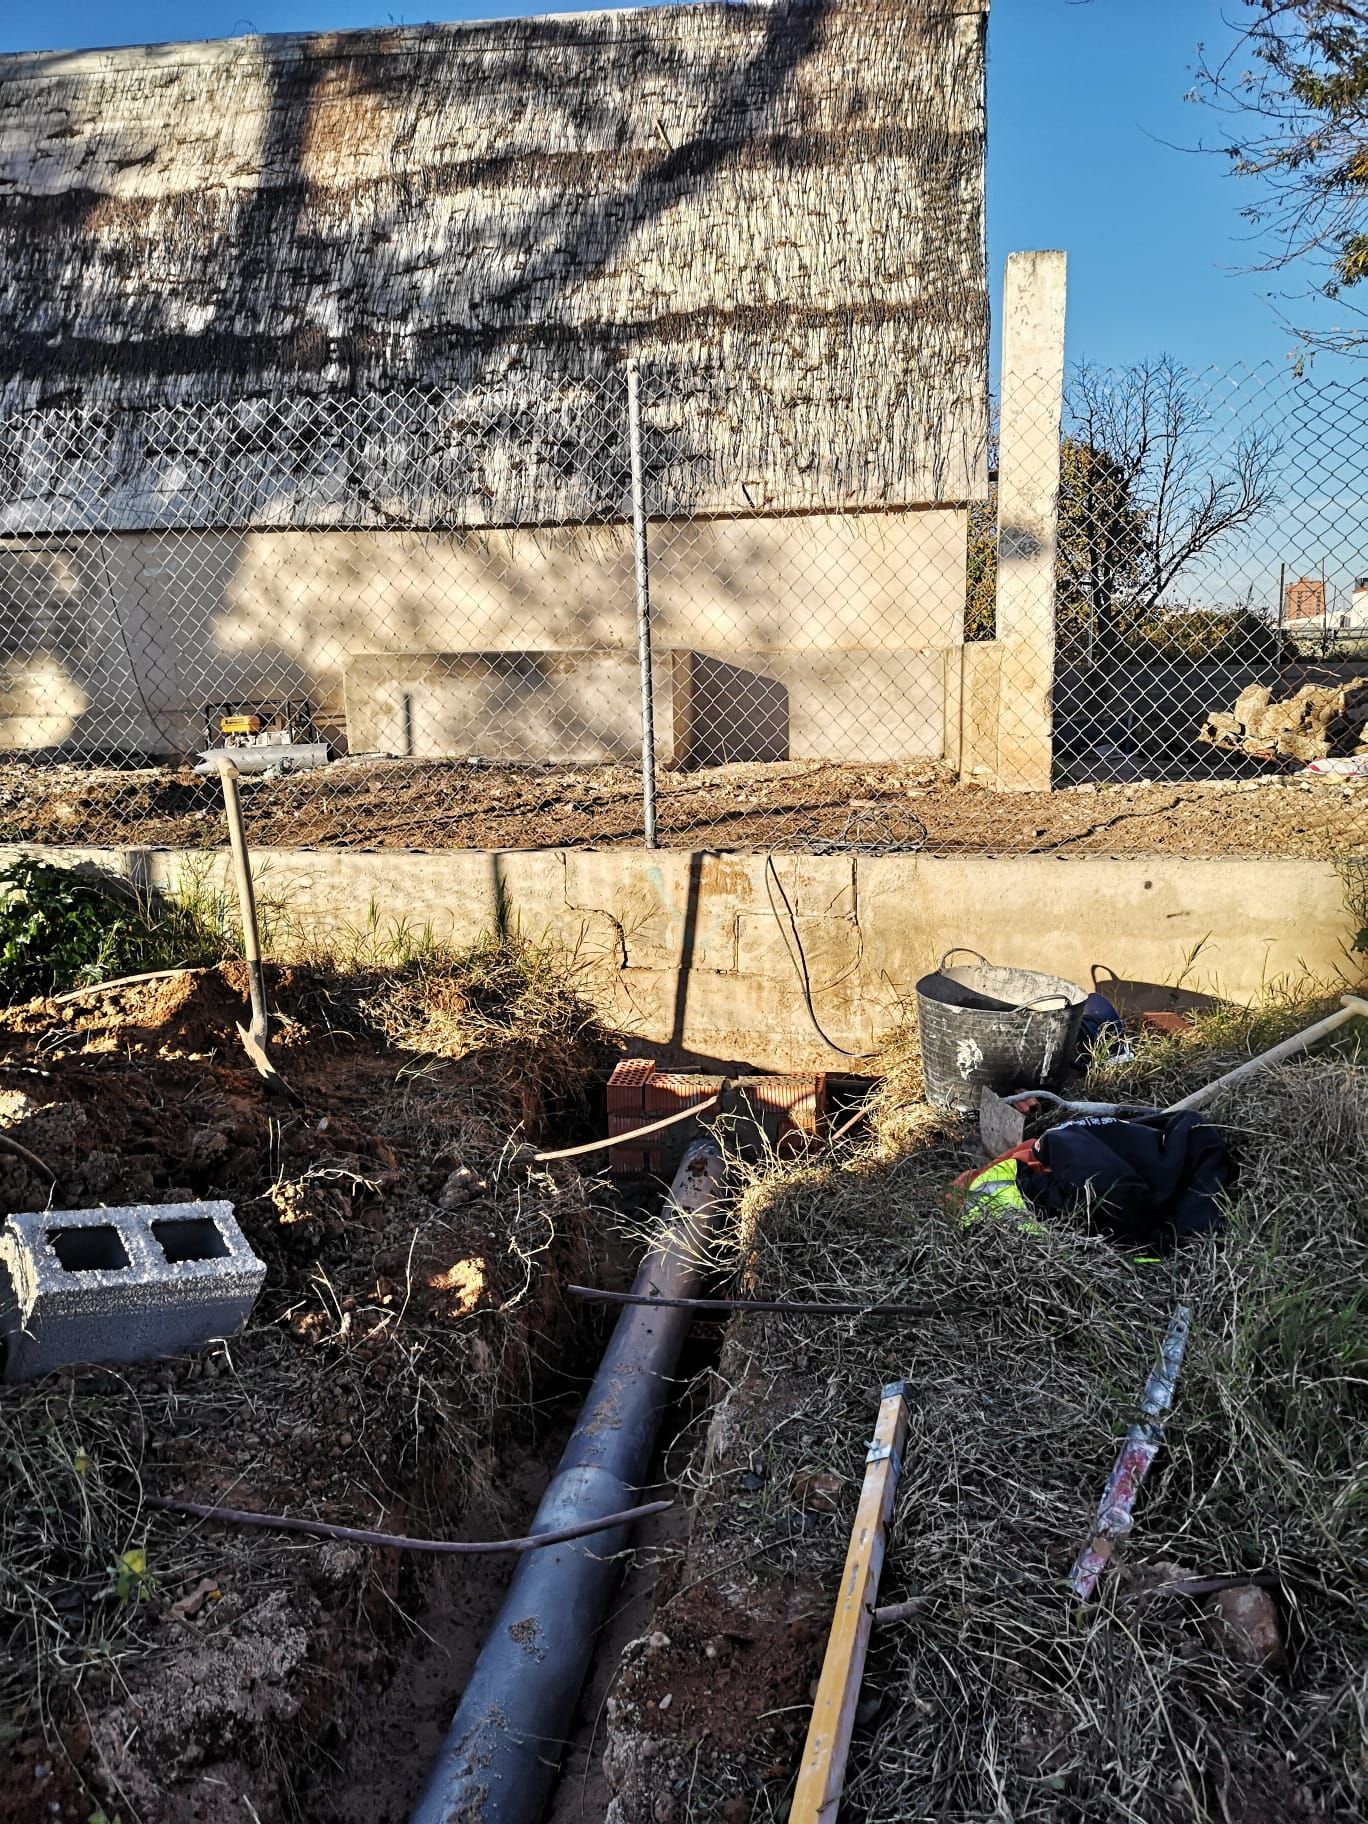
x=437, y=805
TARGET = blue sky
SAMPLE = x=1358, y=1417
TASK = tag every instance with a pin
x=1087, y=119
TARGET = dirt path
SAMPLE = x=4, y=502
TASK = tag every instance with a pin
x=458, y=804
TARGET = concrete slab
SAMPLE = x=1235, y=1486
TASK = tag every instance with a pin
x=121, y=1284
x=849, y=705
x=710, y=707
x=571, y=706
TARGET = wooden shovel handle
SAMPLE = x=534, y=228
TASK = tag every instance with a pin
x=246, y=892
x=1352, y=1007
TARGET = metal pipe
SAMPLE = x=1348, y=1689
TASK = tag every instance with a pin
x=501, y=1753
x=643, y=603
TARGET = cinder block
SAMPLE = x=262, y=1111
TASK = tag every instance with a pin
x=122, y=1284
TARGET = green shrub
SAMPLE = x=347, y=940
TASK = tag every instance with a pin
x=60, y=929
x=56, y=930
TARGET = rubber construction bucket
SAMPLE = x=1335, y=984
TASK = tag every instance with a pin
x=985, y=1025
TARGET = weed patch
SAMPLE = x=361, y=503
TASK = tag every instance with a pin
x=63, y=929
x=1003, y=1697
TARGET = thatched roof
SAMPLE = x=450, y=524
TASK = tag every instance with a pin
x=777, y=207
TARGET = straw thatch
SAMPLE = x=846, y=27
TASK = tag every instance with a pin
x=777, y=207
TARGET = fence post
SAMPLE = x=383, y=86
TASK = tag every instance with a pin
x=643, y=604
x=1028, y=515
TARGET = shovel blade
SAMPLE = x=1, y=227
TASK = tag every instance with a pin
x=1001, y=1126
x=265, y=1069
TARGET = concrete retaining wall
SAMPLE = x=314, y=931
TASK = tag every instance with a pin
x=695, y=953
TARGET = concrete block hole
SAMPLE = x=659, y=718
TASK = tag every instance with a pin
x=186, y=1238
x=96, y=1249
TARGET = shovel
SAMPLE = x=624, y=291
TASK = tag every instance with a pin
x=1002, y=1125
x=255, y=1037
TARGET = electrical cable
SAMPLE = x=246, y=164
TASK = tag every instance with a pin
x=636, y=1133
x=798, y=958
x=853, y=840
x=322, y=1529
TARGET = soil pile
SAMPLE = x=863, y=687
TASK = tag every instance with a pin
x=448, y=804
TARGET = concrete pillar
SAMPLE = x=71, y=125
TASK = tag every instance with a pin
x=1028, y=510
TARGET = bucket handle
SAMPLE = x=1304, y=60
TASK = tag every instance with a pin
x=1038, y=1005
x=961, y=950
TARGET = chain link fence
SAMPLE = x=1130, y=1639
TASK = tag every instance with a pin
x=428, y=619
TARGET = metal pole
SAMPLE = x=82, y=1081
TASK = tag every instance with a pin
x=643, y=602
x=503, y=1749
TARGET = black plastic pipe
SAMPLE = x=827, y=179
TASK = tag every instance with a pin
x=504, y=1747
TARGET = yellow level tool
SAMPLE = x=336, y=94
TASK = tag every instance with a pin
x=818, y=1794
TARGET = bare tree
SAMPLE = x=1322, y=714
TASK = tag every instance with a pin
x=1160, y=494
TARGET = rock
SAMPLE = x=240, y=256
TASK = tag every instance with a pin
x=1317, y=720
x=463, y=1186
x=817, y=1489
x=46, y=1127
x=206, y=1145
x=1303, y=747
x=1252, y=701
x=1245, y=1624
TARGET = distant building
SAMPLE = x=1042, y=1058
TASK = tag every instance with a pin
x=1304, y=600
x=1307, y=609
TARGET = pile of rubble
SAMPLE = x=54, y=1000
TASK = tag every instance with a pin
x=1319, y=721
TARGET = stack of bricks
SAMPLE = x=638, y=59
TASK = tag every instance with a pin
x=627, y=1110
x=669, y=1092
x=788, y=1110
x=781, y=1112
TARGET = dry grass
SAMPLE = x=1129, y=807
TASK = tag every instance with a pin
x=1005, y=1699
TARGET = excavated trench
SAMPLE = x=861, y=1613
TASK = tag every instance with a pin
x=380, y=1770
x=411, y=1366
